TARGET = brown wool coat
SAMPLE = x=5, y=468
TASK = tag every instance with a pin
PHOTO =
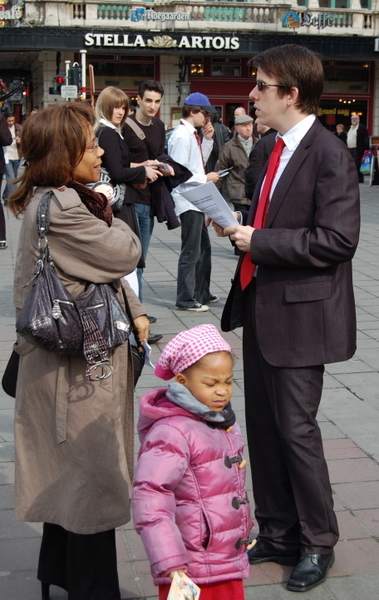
x=74, y=438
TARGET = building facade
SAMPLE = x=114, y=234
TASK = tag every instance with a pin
x=203, y=46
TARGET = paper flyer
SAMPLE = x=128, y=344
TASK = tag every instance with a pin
x=208, y=199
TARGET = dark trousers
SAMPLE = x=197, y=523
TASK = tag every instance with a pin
x=357, y=157
x=194, y=266
x=84, y=565
x=292, y=492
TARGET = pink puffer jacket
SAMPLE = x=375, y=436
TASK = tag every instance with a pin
x=189, y=500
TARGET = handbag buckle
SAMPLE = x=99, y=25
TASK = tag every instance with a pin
x=106, y=371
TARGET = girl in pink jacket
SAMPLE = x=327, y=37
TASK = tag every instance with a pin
x=189, y=499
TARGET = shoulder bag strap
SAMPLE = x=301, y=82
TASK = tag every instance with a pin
x=140, y=134
x=136, y=128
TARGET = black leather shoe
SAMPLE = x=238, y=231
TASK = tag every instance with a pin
x=311, y=570
x=154, y=338
x=262, y=552
x=152, y=319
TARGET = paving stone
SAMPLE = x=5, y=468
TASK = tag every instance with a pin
x=349, y=421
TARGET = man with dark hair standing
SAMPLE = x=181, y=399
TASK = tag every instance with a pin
x=5, y=140
x=293, y=295
x=357, y=142
x=144, y=151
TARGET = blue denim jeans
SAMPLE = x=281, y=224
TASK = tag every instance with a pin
x=146, y=225
x=194, y=266
x=12, y=168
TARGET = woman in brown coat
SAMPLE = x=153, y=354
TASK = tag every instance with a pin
x=73, y=437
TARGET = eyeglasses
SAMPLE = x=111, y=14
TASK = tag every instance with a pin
x=94, y=145
x=261, y=85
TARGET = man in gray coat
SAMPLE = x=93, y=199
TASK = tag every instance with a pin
x=235, y=154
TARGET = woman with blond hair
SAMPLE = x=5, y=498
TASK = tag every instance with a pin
x=73, y=436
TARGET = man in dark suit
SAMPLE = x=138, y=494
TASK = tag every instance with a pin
x=357, y=142
x=297, y=313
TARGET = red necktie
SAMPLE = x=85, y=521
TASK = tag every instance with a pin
x=247, y=267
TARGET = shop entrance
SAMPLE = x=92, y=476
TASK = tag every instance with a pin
x=335, y=111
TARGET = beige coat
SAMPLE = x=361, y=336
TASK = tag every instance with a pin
x=73, y=437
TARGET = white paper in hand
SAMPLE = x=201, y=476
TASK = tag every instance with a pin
x=208, y=199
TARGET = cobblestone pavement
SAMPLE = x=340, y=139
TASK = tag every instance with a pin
x=349, y=418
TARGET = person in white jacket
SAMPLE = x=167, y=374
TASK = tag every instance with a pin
x=186, y=147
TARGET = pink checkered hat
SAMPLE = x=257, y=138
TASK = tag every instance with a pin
x=186, y=348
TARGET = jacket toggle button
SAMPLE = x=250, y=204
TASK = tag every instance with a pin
x=236, y=502
x=240, y=542
x=228, y=462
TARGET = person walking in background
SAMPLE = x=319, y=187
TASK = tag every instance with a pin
x=221, y=135
x=357, y=142
x=341, y=133
x=5, y=140
x=293, y=295
x=13, y=155
x=73, y=436
x=185, y=147
x=189, y=500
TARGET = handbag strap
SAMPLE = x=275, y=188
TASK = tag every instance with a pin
x=43, y=215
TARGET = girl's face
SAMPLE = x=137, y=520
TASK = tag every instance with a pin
x=210, y=380
x=118, y=115
x=88, y=169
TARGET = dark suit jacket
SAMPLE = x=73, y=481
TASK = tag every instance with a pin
x=305, y=310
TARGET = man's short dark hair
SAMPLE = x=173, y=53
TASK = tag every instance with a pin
x=151, y=86
x=293, y=65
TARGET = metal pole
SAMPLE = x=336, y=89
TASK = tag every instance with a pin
x=67, y=63
x=84, y=81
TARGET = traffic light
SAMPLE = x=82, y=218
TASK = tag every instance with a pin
x=75, y=76
x=58, y=81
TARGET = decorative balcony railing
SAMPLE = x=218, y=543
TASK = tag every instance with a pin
x=174, y=13
x=241, y=11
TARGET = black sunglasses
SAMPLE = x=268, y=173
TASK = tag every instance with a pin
x=261, y=85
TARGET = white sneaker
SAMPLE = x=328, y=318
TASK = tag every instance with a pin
x=3, y=245
x=199, y=308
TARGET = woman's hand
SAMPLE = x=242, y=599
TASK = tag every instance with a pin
x=152, y=174
x=142, y=326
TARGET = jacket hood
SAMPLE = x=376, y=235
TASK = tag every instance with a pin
x=176, y=400
x=153, y=406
